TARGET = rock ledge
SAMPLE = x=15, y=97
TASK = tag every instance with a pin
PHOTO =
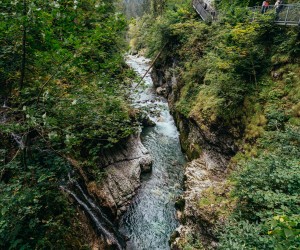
x=123, y=167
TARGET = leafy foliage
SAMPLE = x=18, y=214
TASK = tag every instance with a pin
x=63, y=90
x=34, y=212
x=285, y=231
x=243, y=235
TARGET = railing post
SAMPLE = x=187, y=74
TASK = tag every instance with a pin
x=286, y=16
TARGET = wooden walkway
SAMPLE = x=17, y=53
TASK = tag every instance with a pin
x=204, y=10
x=288, y=14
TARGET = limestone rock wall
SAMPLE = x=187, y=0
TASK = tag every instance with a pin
x=209, y=148
x=122, y=169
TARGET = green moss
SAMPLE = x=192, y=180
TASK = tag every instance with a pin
x=295, y=122
x=217, y=203
x=190, y=242
x=205, y=109
x=192, y=150
x=188, y=94
x=255, y=127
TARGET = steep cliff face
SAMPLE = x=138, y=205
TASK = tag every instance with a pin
x=101, y=203
x=122, y=170
x=212, y=141
x=209, y=147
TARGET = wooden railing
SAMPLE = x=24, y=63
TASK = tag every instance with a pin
x=286, y=14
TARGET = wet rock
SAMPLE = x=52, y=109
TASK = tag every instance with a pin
x=175, y=235
x=174, y=163
x=179, y=215
x=180, y=203
x=210, y=150
x=161, y=91
x=133, y=52
x=147, y=122
x=144, y=119
x=160, y=119
x=157, y=76
x=123, y=167
x=197, y=179
x=123, y=209
x=146, y=164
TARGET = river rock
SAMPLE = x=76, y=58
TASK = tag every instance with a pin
x=198, y=177
x=161, y=91
x=123, y=167
x=144, y=119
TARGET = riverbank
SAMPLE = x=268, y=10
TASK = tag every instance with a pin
x=209, y=150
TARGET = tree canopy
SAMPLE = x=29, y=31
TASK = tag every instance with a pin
x=63, y=95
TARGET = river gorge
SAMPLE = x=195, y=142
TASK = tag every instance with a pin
x=150, y=219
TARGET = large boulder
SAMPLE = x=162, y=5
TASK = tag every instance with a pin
x=122, y=170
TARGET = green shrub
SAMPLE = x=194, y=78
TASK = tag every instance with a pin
x=243, y=235
x=285, y=231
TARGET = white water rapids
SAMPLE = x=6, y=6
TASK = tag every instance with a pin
x=150, y=220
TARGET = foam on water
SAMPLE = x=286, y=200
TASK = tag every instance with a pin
x=166, y=125
x=150, y=219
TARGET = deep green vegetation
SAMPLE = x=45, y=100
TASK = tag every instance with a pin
x=62, y=95
x=244, y=77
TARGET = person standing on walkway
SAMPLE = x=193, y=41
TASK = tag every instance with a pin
x=278, y=6
x=265, y=6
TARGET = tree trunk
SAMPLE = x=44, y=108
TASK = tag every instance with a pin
x=23, y=62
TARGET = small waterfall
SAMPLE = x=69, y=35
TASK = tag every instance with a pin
x=5, y=104
x=91, y=202
x=103, y=225
x=3, y=118
x=19, y=140
x=94, y=206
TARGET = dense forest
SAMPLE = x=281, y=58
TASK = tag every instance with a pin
x=64, y=99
